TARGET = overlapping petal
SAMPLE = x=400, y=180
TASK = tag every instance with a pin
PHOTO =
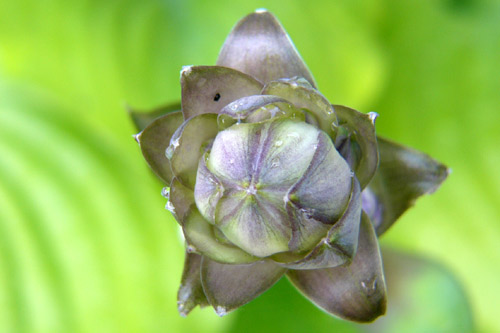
x=303, y=95
x=188, y=144
x=190, y=292
x=257, y=108
x=155, y=139
x=201, y=237
x=336, y=248
x=358, y=142
x=230, y=286
x=180, y=199
x=404, y=174
x=207, y=89
x=355, y=292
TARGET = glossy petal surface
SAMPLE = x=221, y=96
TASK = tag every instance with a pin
x=403, y=175
x=230, y=286
x=303, y=95
x=257, y=163
x=207, y=192
x=180, y=199
x=340, y=243
x=326, y=184
x=187, y=146
x=190, y=292
x=354, y=292
x=359, y=146
x=257, y=108
x=258, y=45
x=201, y=237
x=207, y=89
x=155, y=139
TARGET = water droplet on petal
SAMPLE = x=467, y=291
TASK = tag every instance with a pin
x=170, y=207
x=181, y=308
x=275, y=163
x=293, y=135
x=369, y=286
x=307, y=213
x=186, y=70
x=231, y=161
x=373, y=116
x=169, y=152
x=137, y=137
x=165, y=192
x=190, y=249
x=278, y=143
x=221, y=311
x=352, y=174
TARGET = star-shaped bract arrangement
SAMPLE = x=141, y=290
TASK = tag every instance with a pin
x=267, y=178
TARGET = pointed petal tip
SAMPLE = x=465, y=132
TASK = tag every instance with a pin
x=220, y=311
x=181, y=308
x=373, y=116
x=137, y=137
x=186, y=70
x=261, y=11
x=258, y=45
x=191, y=249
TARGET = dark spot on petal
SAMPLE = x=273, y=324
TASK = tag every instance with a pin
x=217, y=97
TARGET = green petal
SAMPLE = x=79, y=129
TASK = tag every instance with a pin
x=253, y=223
x=403, y=175
x=142, y=119
x=190, y=292
x=355, y=292
x=359, y=145
x=257, y=163
x=207, y=192
x=326, y=184
x=180, y=199
x=305, y=96
x=273, y=153
x=155, y=139
x=200, y=236
x=207, y=89
x=230, y=286
x=187, y=146
x=258, y=45
x=339, y=245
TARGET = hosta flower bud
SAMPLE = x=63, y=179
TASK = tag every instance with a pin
x=266, y=177
x=261, y=183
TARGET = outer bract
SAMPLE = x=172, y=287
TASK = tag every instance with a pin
x=267, y=178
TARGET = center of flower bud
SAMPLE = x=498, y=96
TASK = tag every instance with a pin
x=259, y=178
x=251, y=189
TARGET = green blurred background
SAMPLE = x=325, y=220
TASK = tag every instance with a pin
x=85, y=243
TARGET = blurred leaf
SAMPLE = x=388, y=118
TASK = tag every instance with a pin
x=423, y=296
